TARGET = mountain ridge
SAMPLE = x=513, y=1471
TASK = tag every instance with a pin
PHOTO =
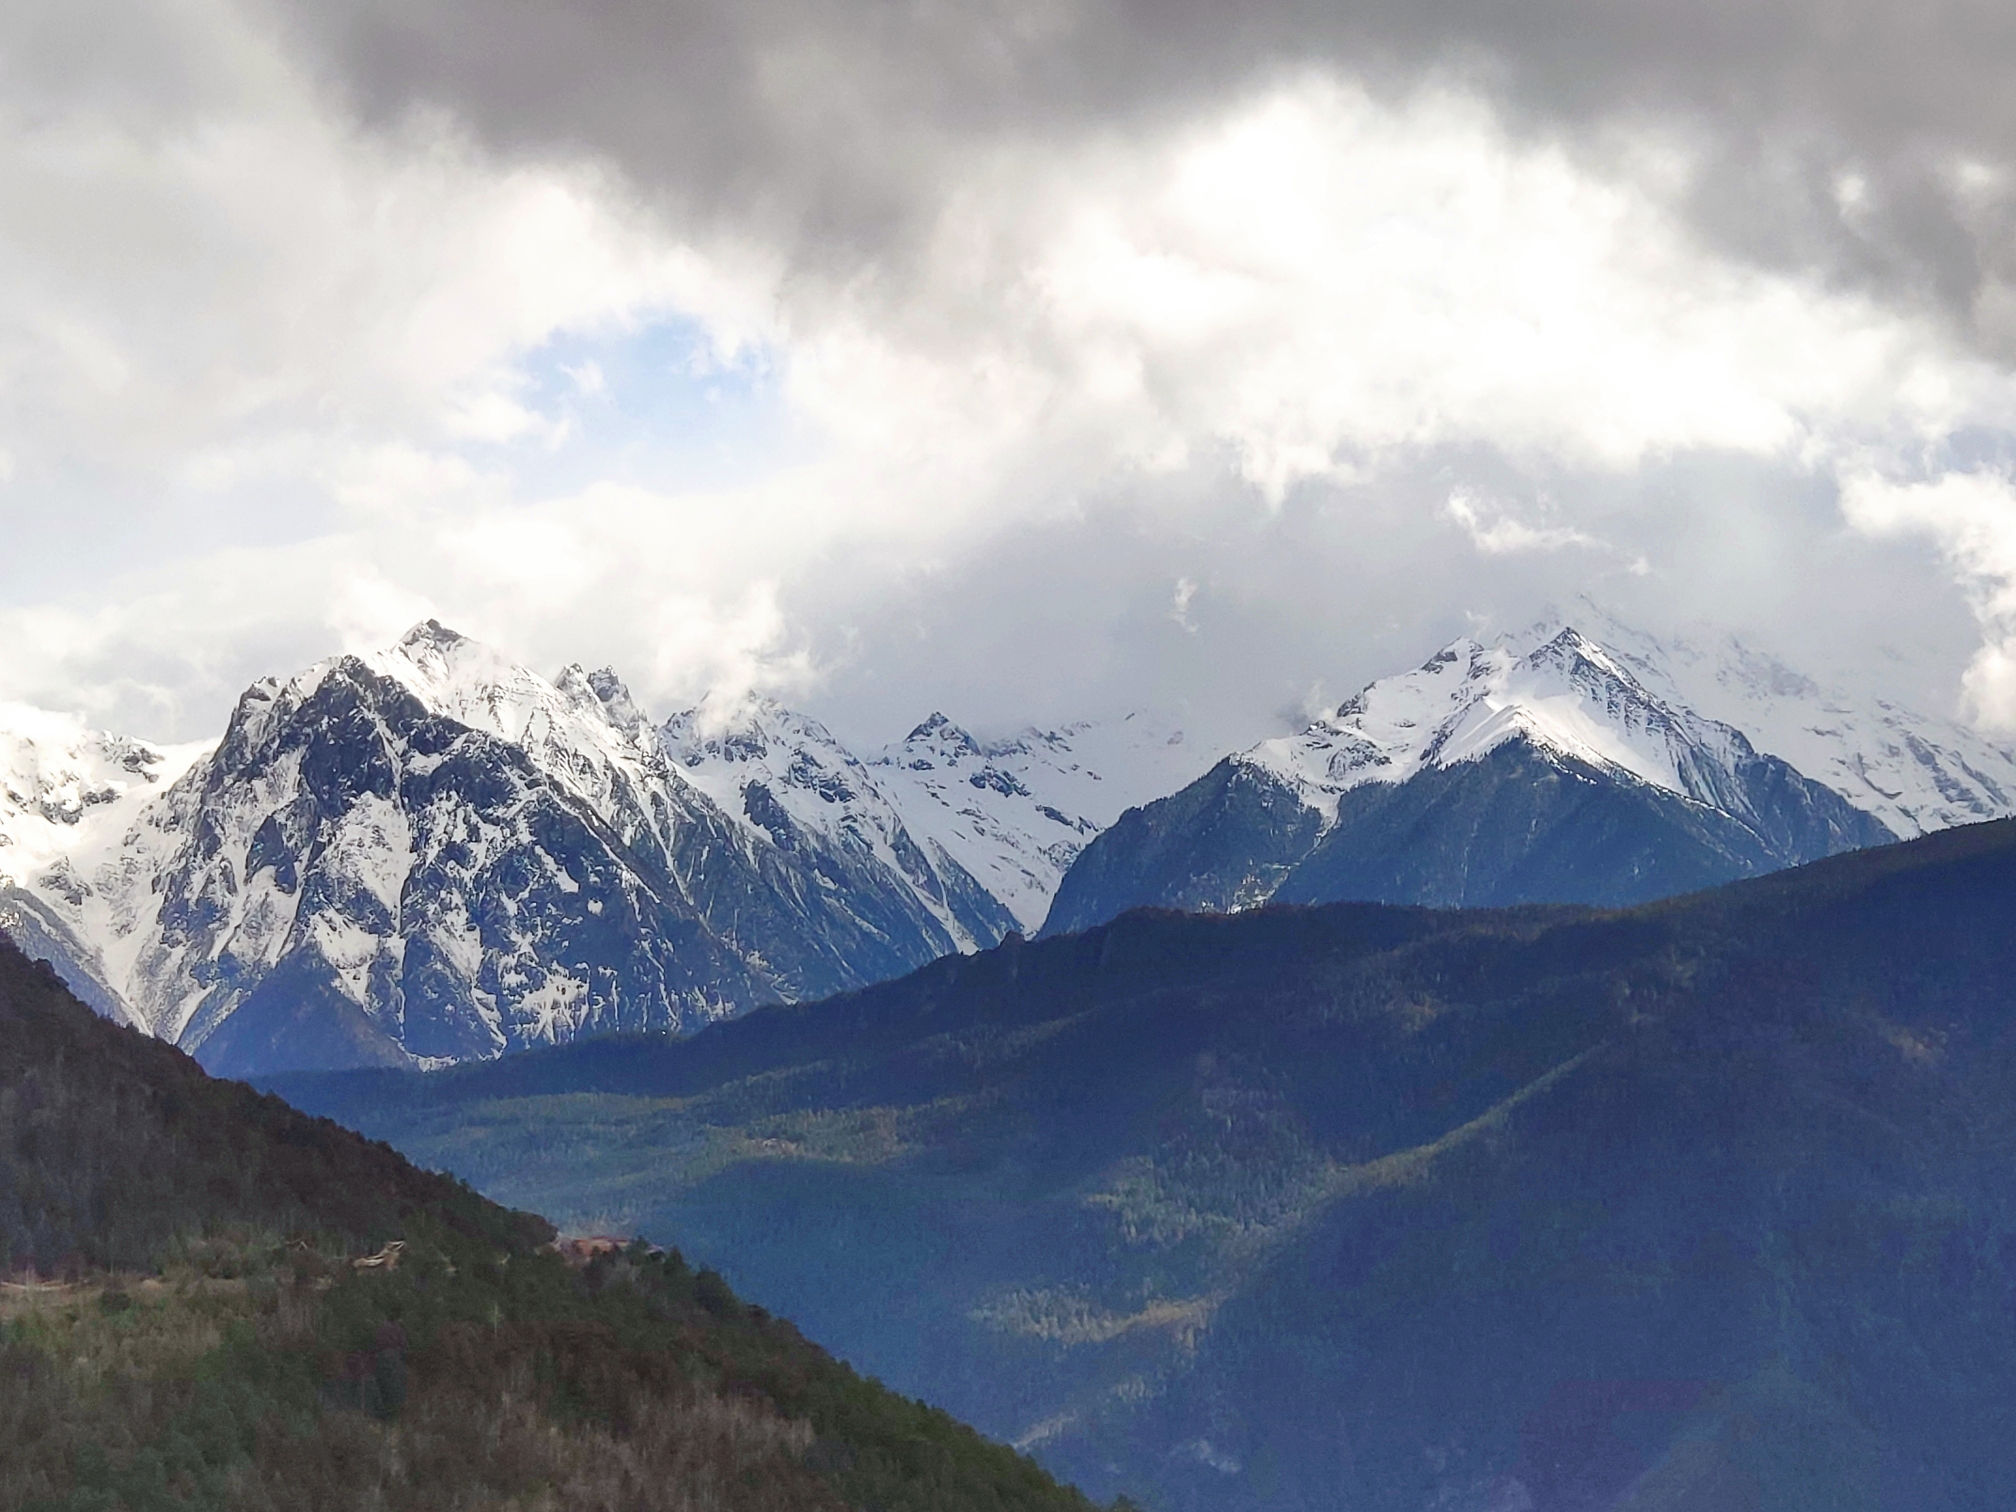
x=740, y=853
x=222, y=1302
x=430, y=853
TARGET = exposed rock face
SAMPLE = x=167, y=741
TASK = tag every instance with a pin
x=797, y=791
x=430, y=854
x=357, y=877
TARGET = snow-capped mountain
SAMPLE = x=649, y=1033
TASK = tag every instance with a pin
x=372, y=868
x=431, y=854
x=1555, y=689
x=1915, y=772
x=1537, y=768
x=1014, y=813
x=66, y=789
x=68, y=793
x=796, y=789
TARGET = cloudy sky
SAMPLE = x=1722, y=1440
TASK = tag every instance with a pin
x=1017, y=357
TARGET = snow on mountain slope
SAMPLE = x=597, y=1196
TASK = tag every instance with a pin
x=791, y=784
x=1537, y=768
x=429, y=853
x=1550, y=684
x=68, y=797
x=68, y=792
x=1913, y=771
x=355, y=877
x=1016, y=812
x=426, y=854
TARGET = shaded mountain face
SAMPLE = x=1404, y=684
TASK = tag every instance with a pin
x=1534, y=770
x=359, y=878
x=1703, y=1205
x=797, y=789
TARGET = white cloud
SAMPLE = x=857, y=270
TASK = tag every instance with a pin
x=1316, y=282
x=588, y=377
x=315, y=341
x=246, y=290
x=1495, y=531
x=1972, y=518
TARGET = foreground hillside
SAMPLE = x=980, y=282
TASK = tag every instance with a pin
x=1707, y=1204
x=188, y=1328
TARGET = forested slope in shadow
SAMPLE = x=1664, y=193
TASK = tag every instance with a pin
x=188, y=1325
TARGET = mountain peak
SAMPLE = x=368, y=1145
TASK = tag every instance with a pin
x=601, y=691
x=430, y=633
x=1550, y=684
x=939, y=730
x=740, y=727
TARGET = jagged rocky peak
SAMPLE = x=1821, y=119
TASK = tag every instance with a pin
x=68, y=796
x=731, y=744
x=614, y=696
x=743, y=727
x=775, y=767
x=1016, y=811
x=605, y=697
x=468, y=681
x=798, y=791
x=56, y=769
x=472, y=683
x=1539, y=766
x=426, y=853
x=938, y=737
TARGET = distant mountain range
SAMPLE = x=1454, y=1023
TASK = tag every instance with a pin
x=1702, y=1206
x=431, y=854
x=1541, y=767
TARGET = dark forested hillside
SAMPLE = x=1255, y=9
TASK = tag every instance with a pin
x=117, y=1144
x=1707, y=1204
x=218, y=1302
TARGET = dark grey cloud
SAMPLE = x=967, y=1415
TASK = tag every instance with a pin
x=838, y=125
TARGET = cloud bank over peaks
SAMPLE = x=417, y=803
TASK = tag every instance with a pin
x=740, y=345
x=1971, y=517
